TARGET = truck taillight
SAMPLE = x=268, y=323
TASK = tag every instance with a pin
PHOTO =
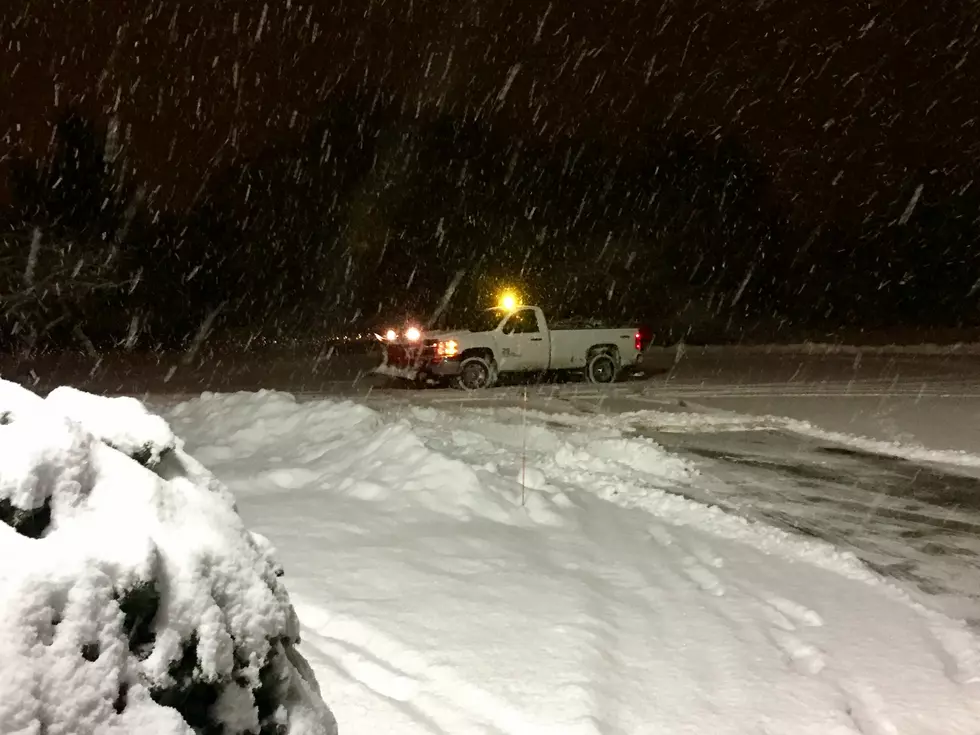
x=638, y=342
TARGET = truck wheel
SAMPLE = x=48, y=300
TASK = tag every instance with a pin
x=602, y=368
x=475, y=373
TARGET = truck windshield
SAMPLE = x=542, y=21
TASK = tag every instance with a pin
x=484, y=321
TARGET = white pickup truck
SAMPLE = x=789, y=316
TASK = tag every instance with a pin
x=504, y=340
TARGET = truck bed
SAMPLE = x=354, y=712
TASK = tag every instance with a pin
x=570, y=347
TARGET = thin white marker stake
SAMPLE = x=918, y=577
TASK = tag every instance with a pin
x=524, y=449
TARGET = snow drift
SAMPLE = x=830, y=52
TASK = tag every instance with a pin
x=600, y=601
x=821, y=349
x=132, y=597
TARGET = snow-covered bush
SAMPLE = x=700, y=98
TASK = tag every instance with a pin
x=132, y=598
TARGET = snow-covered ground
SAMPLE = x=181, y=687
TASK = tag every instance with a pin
x=468, y=567
x=615, y=598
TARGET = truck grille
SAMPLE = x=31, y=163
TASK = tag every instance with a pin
x=405, y=356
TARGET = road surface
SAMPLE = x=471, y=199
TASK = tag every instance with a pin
x=730, y=372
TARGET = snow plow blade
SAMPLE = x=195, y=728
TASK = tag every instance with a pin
x=390, y=371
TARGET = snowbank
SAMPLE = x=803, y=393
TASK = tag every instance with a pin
x=597, y=599
x=132, y=598
x=908, y=446
x=822, y=348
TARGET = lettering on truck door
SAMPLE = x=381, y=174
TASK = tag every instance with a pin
x=523, y=345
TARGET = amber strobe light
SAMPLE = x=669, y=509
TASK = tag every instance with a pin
x=508, y=301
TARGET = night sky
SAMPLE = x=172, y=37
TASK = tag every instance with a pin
x=846, y=107
x=840, y=100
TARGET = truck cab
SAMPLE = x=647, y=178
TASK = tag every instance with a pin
x=522, y=341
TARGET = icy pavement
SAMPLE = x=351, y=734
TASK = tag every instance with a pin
x=918, y=524
x=435, y=601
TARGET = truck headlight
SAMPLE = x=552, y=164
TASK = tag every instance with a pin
x=391, y=335
x=447, y=349
x=412, y=334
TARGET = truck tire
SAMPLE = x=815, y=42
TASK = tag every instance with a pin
x=476, y=373
x=602, y=368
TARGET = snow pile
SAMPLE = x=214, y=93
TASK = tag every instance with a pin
x=350, y=449
x=606, y=603
x=132, y=597
x=730, y=421
x=822, y=348
x=122, y=423
x=417, y=459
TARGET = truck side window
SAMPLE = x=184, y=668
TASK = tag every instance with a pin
x=523, y=322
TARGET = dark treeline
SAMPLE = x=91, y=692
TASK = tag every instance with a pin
x=374, y=214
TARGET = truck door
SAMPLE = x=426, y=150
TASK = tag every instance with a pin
x=523, y=343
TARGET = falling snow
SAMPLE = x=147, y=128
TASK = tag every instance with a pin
x=758, y=203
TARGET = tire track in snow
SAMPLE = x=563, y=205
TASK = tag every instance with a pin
x=700, y=568
x=433, y=695
x=866, y=709
x=602, y=633
x=861, y=702
x=957, y=648
x=371, y=674
x=609, y=635
x=863, y=706
x=785, y=616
